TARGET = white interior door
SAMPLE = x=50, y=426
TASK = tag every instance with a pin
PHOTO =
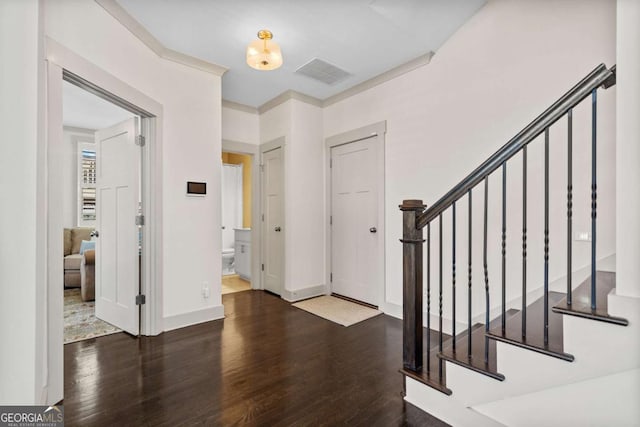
x=117, y=200
x=273, y=208
x=355, y=254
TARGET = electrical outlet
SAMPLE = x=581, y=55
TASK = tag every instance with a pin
x=205, y=290
x=582, y=236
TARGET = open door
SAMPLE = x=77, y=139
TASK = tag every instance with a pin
x=117, y=203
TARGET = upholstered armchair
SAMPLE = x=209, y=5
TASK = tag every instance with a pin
x=79, y=272
x=88, y=276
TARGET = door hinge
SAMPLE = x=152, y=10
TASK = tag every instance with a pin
x=263, y=217
x=139, y=219
x=262, y=267
x=331, y=220
x=141, y=299
x=331, y=277
x=261, y=168
x=331, y=162
x=140, y=140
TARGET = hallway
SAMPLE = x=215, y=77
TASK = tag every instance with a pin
x=266, y=363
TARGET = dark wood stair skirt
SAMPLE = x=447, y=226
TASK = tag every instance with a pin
x=430, y=373
x=534, y=339
x=477, y=363
x=581, y=300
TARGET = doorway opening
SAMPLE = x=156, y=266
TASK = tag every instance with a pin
x=88, y=121
x=237, y=218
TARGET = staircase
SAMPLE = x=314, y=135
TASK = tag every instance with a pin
x=540, y=355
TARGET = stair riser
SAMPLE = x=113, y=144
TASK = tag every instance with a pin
x=447, y=408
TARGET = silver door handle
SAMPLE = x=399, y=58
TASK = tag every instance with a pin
x=95, y=233
x=277, y=229
x=373, y=230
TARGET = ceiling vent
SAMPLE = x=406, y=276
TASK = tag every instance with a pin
x=322, y=71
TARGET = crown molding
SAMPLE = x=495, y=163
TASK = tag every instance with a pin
x=391, y=74
x=130, y=23
x=418, y=62
x=286, y=96
x=75, y=129
x=239, y=107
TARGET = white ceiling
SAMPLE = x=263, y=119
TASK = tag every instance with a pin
x=363, y=37
x=85, y=110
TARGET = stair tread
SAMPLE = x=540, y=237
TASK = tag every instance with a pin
x=476, y=362
x=430, y=373
x=534, y=339
x=581, y=300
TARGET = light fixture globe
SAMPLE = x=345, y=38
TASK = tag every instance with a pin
x=264, y=54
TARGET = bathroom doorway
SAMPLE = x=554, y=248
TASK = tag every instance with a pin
x=237, y=195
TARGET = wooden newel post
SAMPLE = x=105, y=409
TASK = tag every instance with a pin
x=412, y=244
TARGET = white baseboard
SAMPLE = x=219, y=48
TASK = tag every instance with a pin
x=193, y=317
x=304, y=293
x=391, y=309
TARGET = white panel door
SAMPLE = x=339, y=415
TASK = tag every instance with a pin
x=273, y=208
x=354, y=210
x=117, y=200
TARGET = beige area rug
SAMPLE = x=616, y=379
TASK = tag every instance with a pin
x=80, y=322
x=337, y=310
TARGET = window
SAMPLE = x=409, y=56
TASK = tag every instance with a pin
x=86, y=184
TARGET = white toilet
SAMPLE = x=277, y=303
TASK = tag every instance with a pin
x=228, y=261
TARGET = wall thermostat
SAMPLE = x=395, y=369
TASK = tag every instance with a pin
x=196, y=188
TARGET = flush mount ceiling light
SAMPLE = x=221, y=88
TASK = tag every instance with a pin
x=264, y=54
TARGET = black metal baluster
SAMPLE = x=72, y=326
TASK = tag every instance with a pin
x=546, y=236
x=440, y=290
x=429, y=298
x=504, y=247
x=453, y=277
x=486, y=271
x=569, y=200
x=524, y=242
x=469, y=288
x=594, y=116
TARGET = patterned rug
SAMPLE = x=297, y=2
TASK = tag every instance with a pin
x=80, y=322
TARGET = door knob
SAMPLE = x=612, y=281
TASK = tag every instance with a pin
x=373, y=230
x=277, y=229
x=95, y=233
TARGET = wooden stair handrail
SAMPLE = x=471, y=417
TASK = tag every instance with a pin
x=600, y=76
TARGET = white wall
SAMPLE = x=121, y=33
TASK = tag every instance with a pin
x=305, y=199
x=70, y=173
x=301, y=125
x=491, y=78
x=191, y=142
x=628, y=153
x=21, y=262
x=240, y=126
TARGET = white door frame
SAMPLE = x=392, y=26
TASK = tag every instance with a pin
x=377, y=130
x=256, y=194
x=270, y=146
x=61, y=63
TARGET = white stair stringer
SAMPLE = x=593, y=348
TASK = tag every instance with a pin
x=601, y=350
x=610, y=400
x=446, y=408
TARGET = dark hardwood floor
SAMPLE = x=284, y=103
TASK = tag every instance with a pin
x=265, y=364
